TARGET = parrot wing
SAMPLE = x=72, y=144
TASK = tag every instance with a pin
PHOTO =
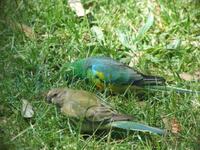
x=77, y=103
x=104, y=114
x=115, y=74
x=73, y=110
x=103, y=117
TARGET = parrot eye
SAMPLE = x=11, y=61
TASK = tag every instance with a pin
x=55, y=95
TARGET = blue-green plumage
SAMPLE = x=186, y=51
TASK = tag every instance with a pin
x=107, y=71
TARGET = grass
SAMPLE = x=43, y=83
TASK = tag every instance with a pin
x=30, y=65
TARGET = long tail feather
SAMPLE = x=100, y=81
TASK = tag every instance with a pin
x=172, y=88
x=129, y=125
x=150, y=80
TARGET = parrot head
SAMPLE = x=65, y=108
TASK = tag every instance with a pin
x=76, y=68
x=55, y=96
x=79, y=68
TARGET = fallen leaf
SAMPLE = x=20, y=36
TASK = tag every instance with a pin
x=97, y=31
x=186, y=76
x=190, y=77
x=28, y=31
x=27, y=109
x=172, y=125
x=77, y=7
x=175, y=126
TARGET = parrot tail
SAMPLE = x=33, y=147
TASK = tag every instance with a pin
x=151, y=80
x=134, y=126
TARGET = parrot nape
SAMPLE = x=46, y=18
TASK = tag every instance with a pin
x=93, y=112
x=116, y=76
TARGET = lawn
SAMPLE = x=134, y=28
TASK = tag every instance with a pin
x=155, y=36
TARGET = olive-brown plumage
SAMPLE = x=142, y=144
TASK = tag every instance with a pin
x=92, y=111
x=84, y=105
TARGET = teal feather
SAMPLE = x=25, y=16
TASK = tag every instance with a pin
x=134, y=126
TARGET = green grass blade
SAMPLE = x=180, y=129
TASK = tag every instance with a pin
x=145, y=28
x=129, y=125
x=123, y=38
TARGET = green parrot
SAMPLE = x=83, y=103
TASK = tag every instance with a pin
x=93, y=112
x=106, y=72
